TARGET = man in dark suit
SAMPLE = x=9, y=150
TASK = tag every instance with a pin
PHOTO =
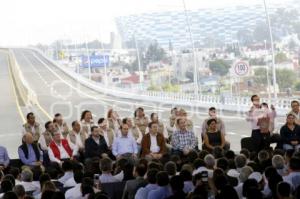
x=95, y=145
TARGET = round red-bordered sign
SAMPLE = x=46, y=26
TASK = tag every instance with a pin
x=241, y=68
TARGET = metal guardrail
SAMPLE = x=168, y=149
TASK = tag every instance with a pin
x=239, y=104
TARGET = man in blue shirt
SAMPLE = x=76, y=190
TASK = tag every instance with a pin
x=29, y=152
x=164, y=190
x=4, y=158
x=124, y=146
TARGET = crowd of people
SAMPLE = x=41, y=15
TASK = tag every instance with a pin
x=142, y=157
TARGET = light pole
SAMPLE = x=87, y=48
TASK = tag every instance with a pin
x=88, y=57
x=272, y=50
x=267, y=71
x=139, y=61
x=104, y=58
x=196, y=87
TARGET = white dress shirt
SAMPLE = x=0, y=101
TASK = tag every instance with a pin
x=62, y=151
x=106, y=137
x=154, y=148
x=74, y=193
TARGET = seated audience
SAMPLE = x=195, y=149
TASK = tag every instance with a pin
x=95, y=145
x=29, y=152
x=213, y=137
x=125, y=145
x=183, y=141
x=290, y=133
x=59, y=149
x=153, y=143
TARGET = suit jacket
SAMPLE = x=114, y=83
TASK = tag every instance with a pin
x=132, y=186
x=146, y=144
x=92, y=149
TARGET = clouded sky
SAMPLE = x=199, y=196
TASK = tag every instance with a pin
x=25, y=22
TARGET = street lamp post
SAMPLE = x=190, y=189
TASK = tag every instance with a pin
x=272, y=50
x=196, y=87
x=267, y=71
x=139, y=61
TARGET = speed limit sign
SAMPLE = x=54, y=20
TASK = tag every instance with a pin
x=241, y=68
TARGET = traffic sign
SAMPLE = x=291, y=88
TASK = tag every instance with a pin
x=241, y=68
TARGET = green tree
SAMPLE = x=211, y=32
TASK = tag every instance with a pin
x=297, y=86
x=284, y=77
x=280, y=57
x=219, y=67
x=154, y=53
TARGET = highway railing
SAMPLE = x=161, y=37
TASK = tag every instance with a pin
x=236, y=104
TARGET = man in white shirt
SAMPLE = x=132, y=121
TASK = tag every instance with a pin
x=59, y=149
x=67, y=167
x=76, y=137
x=107, y=133
x=46, y=136
x=124, y=146
x=27, y=181
x=75, y=192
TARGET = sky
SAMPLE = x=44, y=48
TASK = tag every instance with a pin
x=24, y=22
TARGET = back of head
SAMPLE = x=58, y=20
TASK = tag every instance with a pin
x=177, y=183
x=67, y=165
x=87, y=186
x=162, y=178
x=245, y=173
x=209, y=161
x=222, y=163
x=278, y=162
x=248, y=185
x=228, y=192
x=10, y=178
x=151, y=176
x=78, y=176
x=283, y=189
x=171, y=168
x=218, y=152
x=141, y=170
x=19, y=191
x=26, y=175
x=254, y=193
x=47, y=194
x=48, y=186
x=10, y=195
x=6, y=186
x=295, y=164
x=186, y=175
x=106, y=165
x=240, y=161
x=263, y=155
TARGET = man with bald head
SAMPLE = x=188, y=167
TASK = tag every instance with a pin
x=29, y=152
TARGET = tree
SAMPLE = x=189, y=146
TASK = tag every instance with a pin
x=297, y=86
x=284, y=77
x=245, y=36
x=219, y=67
x=261, y=33
x=154, y=53
x=280, y=57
